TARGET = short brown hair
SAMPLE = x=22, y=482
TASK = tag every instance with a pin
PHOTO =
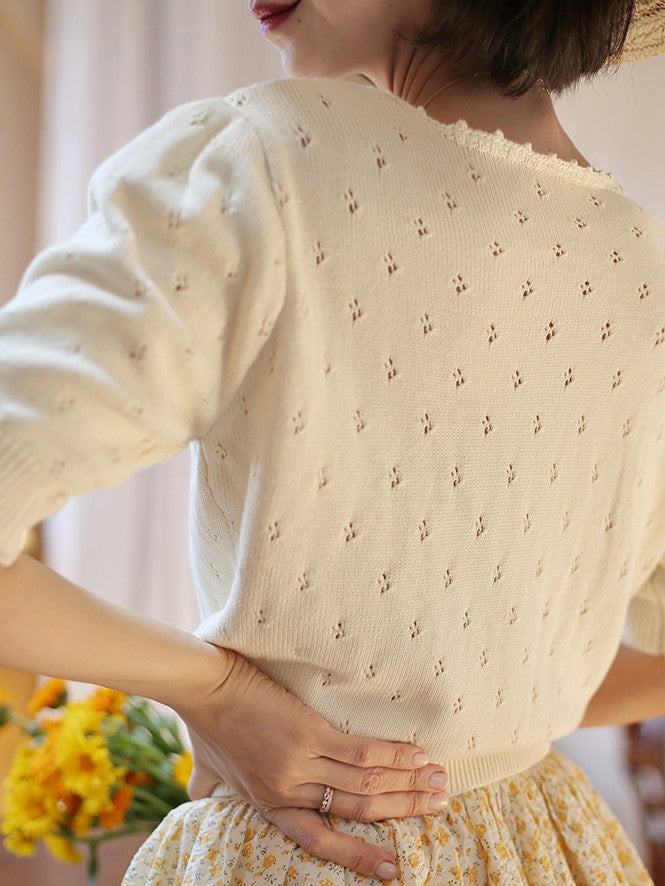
x=520, y=41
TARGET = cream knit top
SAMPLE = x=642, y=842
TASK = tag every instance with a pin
x=422, y=371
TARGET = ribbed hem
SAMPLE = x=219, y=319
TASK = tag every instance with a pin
x=643, y=628
x=472, y=772
x=25, y=490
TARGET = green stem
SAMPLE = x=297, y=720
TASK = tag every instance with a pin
x=153, y=723
x=129, y=742
x=30, y=726
x=130, y=829
x=92, y=863
x=172, y=726
x=156, y=772
x=152, y=799
x=93, y=859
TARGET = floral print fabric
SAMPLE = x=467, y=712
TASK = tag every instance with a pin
x=545, y=826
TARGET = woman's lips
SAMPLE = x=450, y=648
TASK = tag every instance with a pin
x=267, y=10
x=272, y=16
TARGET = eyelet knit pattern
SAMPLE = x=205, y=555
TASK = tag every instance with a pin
x=422, y=372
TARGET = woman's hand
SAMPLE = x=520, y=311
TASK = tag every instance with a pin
x=278, y=753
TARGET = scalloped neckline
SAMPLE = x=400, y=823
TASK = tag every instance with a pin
x=497, y=144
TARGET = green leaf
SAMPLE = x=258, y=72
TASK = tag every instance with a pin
x=142, y=718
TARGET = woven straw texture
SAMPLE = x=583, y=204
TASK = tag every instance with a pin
x=646, y=36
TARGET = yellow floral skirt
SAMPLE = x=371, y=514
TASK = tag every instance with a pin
x=545, y=826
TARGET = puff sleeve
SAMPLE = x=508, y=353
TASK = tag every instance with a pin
x=126, y=342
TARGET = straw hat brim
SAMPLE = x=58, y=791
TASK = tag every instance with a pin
x=646, y=36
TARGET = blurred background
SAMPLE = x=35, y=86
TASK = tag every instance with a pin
x=79, y=78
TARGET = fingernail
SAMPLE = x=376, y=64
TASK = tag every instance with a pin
x=420, y=759
x=438, y=780
x=386, y=870
x=438, y=801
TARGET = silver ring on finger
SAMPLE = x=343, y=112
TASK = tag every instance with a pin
x=327, y=799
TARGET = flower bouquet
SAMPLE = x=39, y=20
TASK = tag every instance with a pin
x=89, y=771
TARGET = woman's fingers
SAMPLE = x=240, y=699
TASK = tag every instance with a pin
x=377, y=807
x=306, y=827
x=368, y=751
x=375, y=779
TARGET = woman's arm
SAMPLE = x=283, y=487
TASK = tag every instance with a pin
x=48, y=625
x=633, y=690
x=246, y=729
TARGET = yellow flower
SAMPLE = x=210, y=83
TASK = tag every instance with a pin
x=182, y=768
x=51, y=695
x=62, y=849
x=79, y=717
x=27, y=811
x=108, y=700
x=86, y=768
x=81, y=824
x=43, y=765
x=22, y=762
x=18, y=844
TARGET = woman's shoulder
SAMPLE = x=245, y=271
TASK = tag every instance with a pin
x=295, y=91
x=285, y=104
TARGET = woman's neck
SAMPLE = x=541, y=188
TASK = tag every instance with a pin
x=529, y=118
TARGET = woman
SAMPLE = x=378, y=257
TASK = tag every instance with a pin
x=415, y=341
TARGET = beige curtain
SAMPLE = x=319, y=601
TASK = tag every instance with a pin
x=20, y=98
x=20, y=75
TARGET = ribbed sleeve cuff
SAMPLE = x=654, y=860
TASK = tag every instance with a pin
x=643, y=629
x=27, y=494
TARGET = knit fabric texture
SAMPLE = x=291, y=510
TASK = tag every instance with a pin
x=421, y=368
